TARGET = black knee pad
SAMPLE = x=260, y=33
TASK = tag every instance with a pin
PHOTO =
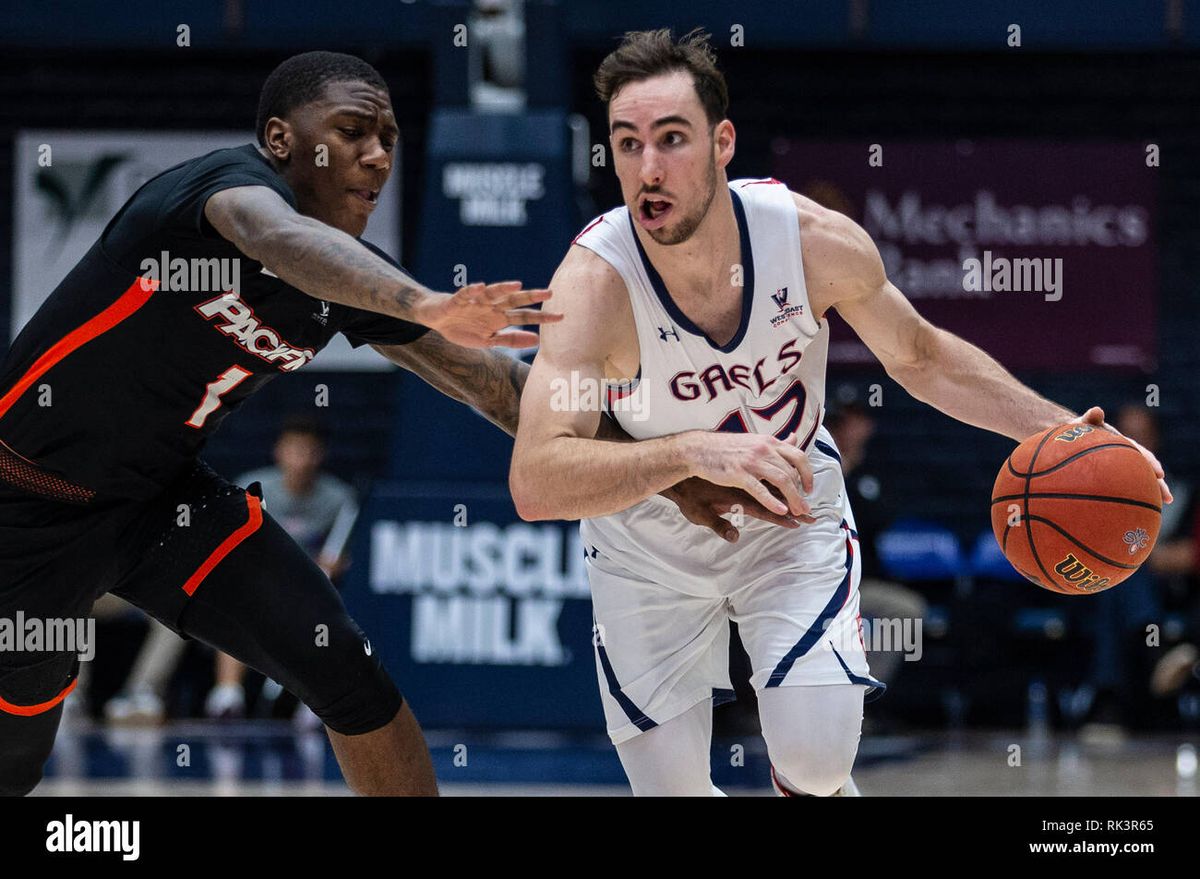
x=368, y=703
x=39, y=681
x=25, y=745
x=19, y=787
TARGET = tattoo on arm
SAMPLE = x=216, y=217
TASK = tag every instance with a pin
x=484, y=379
x=329, y=264
x=316, y=258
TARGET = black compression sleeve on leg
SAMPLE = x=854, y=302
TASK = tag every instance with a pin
x=25, y=745
x=270, y=606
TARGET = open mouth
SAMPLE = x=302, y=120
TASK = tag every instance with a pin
x=654, y=210
x=370, y=196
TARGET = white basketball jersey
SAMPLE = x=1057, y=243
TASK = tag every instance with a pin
x=769, y=378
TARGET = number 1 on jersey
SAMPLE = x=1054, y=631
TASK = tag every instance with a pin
x=224, y=383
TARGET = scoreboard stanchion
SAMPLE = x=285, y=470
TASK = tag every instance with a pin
x=498, y=201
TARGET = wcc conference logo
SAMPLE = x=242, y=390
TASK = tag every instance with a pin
x=786, y=312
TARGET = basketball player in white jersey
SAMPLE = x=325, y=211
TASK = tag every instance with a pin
x=701, y=304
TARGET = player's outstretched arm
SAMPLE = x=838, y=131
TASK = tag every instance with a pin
x=326, y=263
x=561, y=471
x=487, y=381
x=844, y=271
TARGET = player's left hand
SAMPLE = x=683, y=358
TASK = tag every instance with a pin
x=478, y=314
x=705, y=503
x=1095, y=418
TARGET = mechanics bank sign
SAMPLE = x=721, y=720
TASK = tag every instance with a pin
x=1043, y=254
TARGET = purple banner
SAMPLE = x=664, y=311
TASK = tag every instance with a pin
x=1043, y=254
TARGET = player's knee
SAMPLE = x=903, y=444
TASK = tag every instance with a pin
x=811, y=761
x=370, y=705
x=17, y=781
x=656, y=772
x=802, y=774
x=350, y=691
x=25, y=745
x=812, y=735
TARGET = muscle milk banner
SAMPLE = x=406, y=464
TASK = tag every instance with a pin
x=481, y=618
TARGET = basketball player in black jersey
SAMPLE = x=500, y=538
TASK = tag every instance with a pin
x=109, y=392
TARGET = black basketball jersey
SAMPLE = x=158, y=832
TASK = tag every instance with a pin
x=117, y=381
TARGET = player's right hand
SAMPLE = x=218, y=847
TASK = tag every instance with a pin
x=706, y=504
x=1095, y=417
x=752, y=462
x=476, y=316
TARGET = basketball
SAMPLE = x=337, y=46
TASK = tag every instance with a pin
x=1076, y=509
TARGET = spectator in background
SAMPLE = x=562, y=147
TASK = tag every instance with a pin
x=1118, y=685
x=143, y=698
x=318, y=511
x=852, y=427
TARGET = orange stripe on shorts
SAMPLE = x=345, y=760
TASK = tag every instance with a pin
x=252, y=524
x=31, y=710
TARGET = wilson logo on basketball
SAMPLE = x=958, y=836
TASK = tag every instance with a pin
x=1136, y=539
x=1069, y=436
x=1079, y=575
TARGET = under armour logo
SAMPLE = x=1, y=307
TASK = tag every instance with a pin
x=590, y=553
x=663, y=332
x=323, y=317
x=779, y=297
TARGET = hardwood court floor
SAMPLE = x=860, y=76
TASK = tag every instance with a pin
x=260, y=758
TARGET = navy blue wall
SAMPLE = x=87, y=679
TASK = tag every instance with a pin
x=936, y=24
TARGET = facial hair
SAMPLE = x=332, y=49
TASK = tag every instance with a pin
x=687, y=226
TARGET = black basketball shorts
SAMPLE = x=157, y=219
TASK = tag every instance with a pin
x=205, y=559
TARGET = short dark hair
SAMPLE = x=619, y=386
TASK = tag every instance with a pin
x=643, y=54
x=304, y=425
x=302, y=78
